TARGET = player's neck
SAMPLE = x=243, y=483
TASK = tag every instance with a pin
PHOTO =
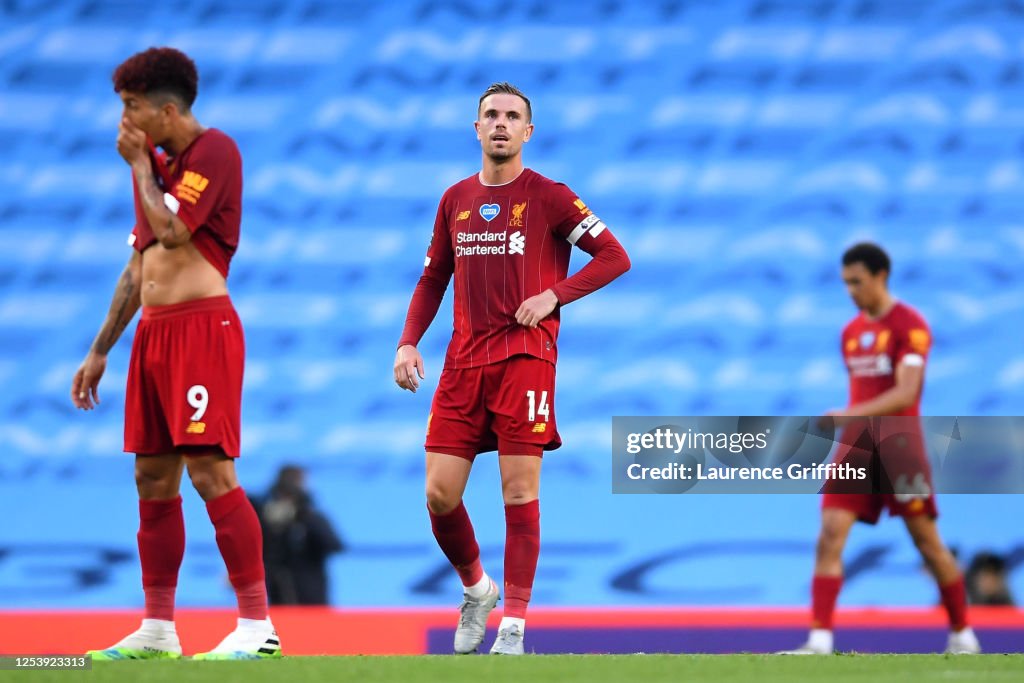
x=183, y=136
x=494, y=173
x=883, y=307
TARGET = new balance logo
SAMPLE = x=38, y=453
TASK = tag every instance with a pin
x=516, y=243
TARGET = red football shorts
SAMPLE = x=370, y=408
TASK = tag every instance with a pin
x=185, y=378
x=892, y=450
x=507, y=406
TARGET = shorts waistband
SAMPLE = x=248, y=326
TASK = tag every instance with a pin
x=211, y=303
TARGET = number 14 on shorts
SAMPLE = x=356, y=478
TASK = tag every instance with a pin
x=535, y=408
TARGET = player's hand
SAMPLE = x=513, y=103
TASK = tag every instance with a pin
x=536, y=308
x=85, y=386
x=131, y=142
x=408, y=368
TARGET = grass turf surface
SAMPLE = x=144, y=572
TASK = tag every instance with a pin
x=540, y=669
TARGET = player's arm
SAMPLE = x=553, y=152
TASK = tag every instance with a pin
x=168, y=229
x=909, y=376
x=426, y=299
x=608, y=261
x=126, y=301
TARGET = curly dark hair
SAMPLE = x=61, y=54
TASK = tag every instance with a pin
x=160, y=71
x=871, y=255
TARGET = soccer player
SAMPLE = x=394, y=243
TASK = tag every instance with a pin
x=885, y=348
x=183, y=399
x=506, y=234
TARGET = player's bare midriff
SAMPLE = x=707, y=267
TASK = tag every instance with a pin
x=173, y=276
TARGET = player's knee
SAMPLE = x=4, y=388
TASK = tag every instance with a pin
x=515, y=495
x=441, y=500
x=209, y=484
x=834, y=527
x=825, y=550
x=153, y=484
x=830, y=539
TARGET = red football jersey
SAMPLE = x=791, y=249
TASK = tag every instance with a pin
x=205, y=187
x=873, y=348
x=505, y=244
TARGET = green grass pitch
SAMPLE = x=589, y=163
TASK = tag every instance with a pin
x=560, y=668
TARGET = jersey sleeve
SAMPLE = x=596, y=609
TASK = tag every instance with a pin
x=440, y=259
x=571, y=220
x=212, y=169
x=913, y=341
x=438, y=267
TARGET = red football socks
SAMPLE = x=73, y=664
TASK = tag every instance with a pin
x=454, y=534
x=954, y=599
x=522, y=547
x=824, y=592
x=161, y=546
x=240, y=540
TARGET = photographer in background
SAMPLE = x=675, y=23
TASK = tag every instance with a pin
x=986, y=580
x=297, y=540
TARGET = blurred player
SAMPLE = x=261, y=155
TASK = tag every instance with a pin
x=183, y=400
x=885, y=348
x=506, y=234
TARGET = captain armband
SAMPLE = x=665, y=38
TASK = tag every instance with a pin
x=591, y=223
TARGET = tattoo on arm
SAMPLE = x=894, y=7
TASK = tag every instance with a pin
x=174, y=230
x=122, y=309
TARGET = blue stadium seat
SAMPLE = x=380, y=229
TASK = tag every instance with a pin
x=735, y=148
